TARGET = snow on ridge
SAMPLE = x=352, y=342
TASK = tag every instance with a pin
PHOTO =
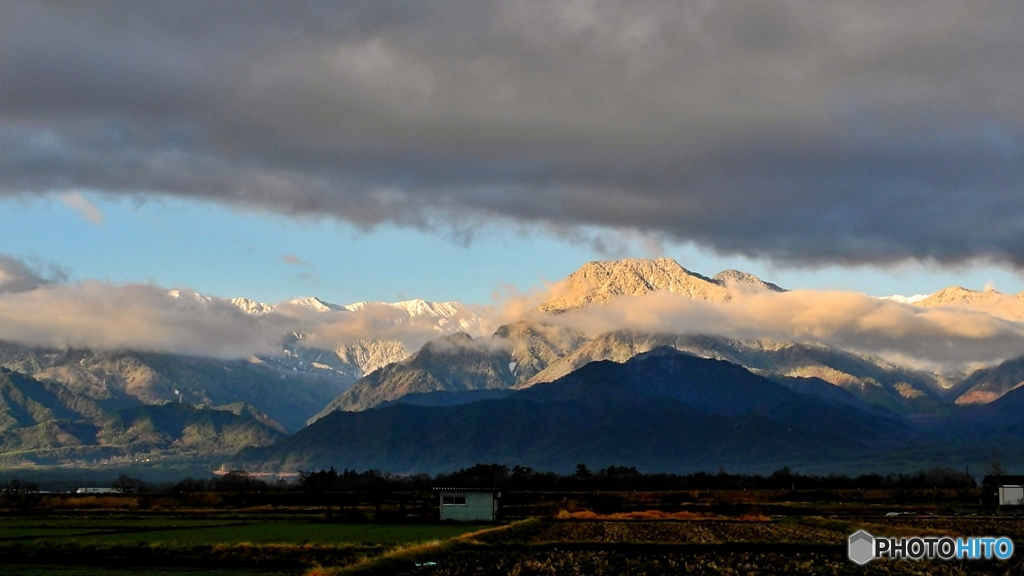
x=417, y=307
x=905, y=299
x=447, y=316
x=252, y=306
x=189, y=294
x=315, y=303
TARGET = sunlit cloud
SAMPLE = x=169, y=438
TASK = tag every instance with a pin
x=101, y=316
x=941, y=338
x=294, y=260
x=97, y=315
x=940, y=332
x=83, y=206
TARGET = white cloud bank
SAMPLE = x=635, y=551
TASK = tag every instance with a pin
x=104, y=316
x=948, y=337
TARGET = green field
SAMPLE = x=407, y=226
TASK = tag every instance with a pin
x=198, y=545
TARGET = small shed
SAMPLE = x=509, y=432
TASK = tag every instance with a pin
x=468, y=504
x=1009, y=489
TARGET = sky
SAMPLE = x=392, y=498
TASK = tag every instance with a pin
x=226, y=251
x=465, y=150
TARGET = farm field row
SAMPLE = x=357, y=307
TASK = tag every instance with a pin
x=198, y=545
x=627, y=562
x=697, y=532
x=812, y=545
x=192, y=532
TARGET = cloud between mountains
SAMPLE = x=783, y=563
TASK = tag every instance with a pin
x=142, y=317
x=804, y=132
x=103, y=316
x=934, y=338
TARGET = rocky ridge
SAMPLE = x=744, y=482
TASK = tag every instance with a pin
x=601, y=281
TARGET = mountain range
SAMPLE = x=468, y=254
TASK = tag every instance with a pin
x=356, y=357
x=515, y=353
x=663, y=409
x=44, y=423
x=96, y=383
x=536, y=391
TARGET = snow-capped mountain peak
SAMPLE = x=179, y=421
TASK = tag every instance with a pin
x=252, y=306
x=189, y=295
x=317, y=304
x=447, y=315
x=416, y=307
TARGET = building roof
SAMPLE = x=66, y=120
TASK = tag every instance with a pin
x=464, y=489
x=1003, y=481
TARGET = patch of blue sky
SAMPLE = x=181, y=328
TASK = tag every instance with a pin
x=228, y=252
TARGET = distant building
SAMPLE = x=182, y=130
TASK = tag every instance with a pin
x=468, y=504
x=1009, y=489
x=99, y=491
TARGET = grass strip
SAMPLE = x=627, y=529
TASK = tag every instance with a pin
x=111, y=530
x=404, y=558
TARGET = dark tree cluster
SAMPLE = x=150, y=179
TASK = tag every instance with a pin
x=619, y=478
x=524, y=478
x=17, y=486
x=128, y=485
x=351, y=481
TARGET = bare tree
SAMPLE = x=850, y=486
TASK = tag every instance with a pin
x=994, y=467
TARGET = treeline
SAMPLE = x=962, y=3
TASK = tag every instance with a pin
x=234, y=481
x=622, y=478
x=526, y=479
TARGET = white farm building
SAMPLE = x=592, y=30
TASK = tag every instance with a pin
x=468, y=504
x=1009, y=489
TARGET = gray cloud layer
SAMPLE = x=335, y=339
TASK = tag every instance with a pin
x=17, y=276
x=807, y=132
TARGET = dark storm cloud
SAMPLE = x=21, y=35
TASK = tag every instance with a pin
x=807, y=132
x=17, y=276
